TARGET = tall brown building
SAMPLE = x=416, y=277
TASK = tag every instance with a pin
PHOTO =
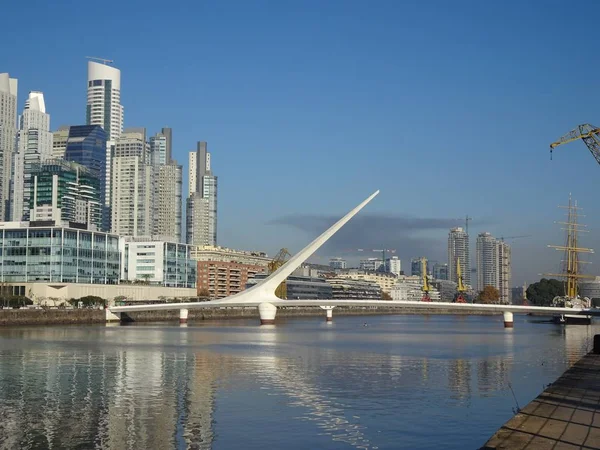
x=222, y=278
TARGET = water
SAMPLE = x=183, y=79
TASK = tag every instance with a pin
x=414, y=382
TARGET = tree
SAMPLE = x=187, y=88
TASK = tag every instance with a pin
x=385, y=296
x=489, y=295
x=543, y=292
x=203, y=293
x=146, y=277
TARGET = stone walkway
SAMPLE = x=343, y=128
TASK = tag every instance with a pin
x=564, y=416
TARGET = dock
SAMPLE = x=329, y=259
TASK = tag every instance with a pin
x=565, y=416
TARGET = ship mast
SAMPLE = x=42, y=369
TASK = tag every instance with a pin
x=572, y=250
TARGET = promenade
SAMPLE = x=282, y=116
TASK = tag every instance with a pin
x=565, y=416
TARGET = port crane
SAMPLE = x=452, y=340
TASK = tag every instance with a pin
x=589, y=134
x=426, y=287
x=460, y=289
x=279, y=260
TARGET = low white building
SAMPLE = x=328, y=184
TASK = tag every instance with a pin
x=157, y=262
x=385, y=280
x=410, y=289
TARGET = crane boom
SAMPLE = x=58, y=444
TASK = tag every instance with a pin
x=589, y=134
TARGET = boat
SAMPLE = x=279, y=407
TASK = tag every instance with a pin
x=570, y=271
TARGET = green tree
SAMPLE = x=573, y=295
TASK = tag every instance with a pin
x=489, y=295
x=542, y=292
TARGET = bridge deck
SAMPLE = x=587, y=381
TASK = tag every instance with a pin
x=565, y=416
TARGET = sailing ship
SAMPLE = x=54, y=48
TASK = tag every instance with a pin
x=570, y=268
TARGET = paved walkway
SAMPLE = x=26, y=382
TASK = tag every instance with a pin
x=564, y=416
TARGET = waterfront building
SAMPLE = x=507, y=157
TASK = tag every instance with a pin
x=300, y=287
x=8, y=136
x=446, y=289
x=393, y=265
x=370, y=264
x=440, y=271
x=34, y=145
x=347, y=289
x=158, y=263
x=458, y=248
x=65, y=191
x=86, y=145
x=385, y=280
x=201, y=206
x=104, y=99
x=410, y=289
x=494, y=265
x=59, y=142
x=132, y=185
x=212, y=253
x=223, y=278
x=337, y=263
x=57, y=254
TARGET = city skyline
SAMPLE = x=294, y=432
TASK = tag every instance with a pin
x=260, y=120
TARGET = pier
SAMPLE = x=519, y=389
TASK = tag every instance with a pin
x=565, y=416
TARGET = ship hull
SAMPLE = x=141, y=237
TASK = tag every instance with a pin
x=572, y=319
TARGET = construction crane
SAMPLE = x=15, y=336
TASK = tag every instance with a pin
x=589, y=134
x=426, y=288
x=279, y=260
x=460, y=289
x=382, y=251
x=102, y=60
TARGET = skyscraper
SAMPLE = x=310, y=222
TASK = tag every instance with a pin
x=59, y=142
x=86, y=145
x=415, y=267
x=8, y=134
x=458, y=248
x=104, y=99
x=393, y=265
x=167, y=178
x=201, y=214
x=34, y=145
x=132, y=185
x=440, y=271
x=494, y=265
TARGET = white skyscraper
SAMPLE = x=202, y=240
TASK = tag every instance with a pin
x=393, y=265
x=34, y=145
x=458, y=248
x=201, y=214
x=133, y=189
x=494, y=265
x=104, y=99
x=8, y=136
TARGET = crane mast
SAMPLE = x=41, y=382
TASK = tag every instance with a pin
x=426, y=287
x=460, y=289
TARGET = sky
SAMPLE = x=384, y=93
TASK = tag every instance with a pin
x=309, y=106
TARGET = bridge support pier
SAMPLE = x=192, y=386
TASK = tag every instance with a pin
x=183, y=315
x=508, y=319
x=267, y=312
x=328, y=312
x=111, y=316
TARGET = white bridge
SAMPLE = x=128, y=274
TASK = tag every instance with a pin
x=262, y=295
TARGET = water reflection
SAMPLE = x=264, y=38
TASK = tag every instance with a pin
x=160, y=386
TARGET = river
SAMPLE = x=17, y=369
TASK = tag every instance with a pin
x=376, y=382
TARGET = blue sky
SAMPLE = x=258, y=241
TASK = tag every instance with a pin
x=308, y=107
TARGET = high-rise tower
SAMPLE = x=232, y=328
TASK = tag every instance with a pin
x=458, y=248
x=201, y=214
x=494, y=265
x=104, y=99
x=34, y=145
x=8, y=133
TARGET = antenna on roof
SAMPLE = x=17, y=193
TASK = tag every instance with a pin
x=102, y=60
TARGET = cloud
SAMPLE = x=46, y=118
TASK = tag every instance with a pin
x=410, y=236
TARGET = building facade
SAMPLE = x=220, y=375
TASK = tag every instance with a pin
x=223, y=278
x=458, y=249
x=65, y=191
x=385, y=280
x=167, y=197
x=57, y=254
x=494, y=265
x=104, y=99
x=347, y=289
x=201, y=216
x=410, y=289
x=338, y=263
x=373, y=264
x=440, y=271
x=157, y=263
x=416, y=267
x=300, y=287
x=8, y=136
x=34, y=145
x=132, y=185
x=59, y=142
x=393, y=265
x=504, y=272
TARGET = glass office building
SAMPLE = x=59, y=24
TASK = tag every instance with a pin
x=58, y=254
x=86, y=145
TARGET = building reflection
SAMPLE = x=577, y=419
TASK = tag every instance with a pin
x=459, y=378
